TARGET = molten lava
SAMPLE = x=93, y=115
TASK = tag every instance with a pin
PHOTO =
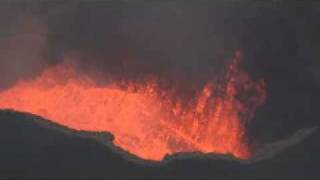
x=144, y=119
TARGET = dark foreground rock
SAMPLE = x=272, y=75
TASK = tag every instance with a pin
x=31, y=147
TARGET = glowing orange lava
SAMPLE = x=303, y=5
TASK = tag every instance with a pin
x=142, y=121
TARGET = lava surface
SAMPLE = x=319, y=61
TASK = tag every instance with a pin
x=144, y=119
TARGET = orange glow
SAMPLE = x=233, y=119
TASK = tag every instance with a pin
x=144, y=119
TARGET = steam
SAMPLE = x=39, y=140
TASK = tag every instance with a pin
x=22, y=45
x=176, y=42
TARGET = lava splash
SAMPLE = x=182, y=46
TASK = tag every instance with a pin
x=143, y=118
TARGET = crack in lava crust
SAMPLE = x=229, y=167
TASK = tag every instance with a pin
x=144, y=119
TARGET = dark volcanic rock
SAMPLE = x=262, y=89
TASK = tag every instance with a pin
x=35, y=148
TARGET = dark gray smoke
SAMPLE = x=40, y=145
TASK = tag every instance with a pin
x=23, y=41
x=188, y=42
x=175, y=41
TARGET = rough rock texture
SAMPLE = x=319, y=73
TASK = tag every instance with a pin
x=35, y=148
